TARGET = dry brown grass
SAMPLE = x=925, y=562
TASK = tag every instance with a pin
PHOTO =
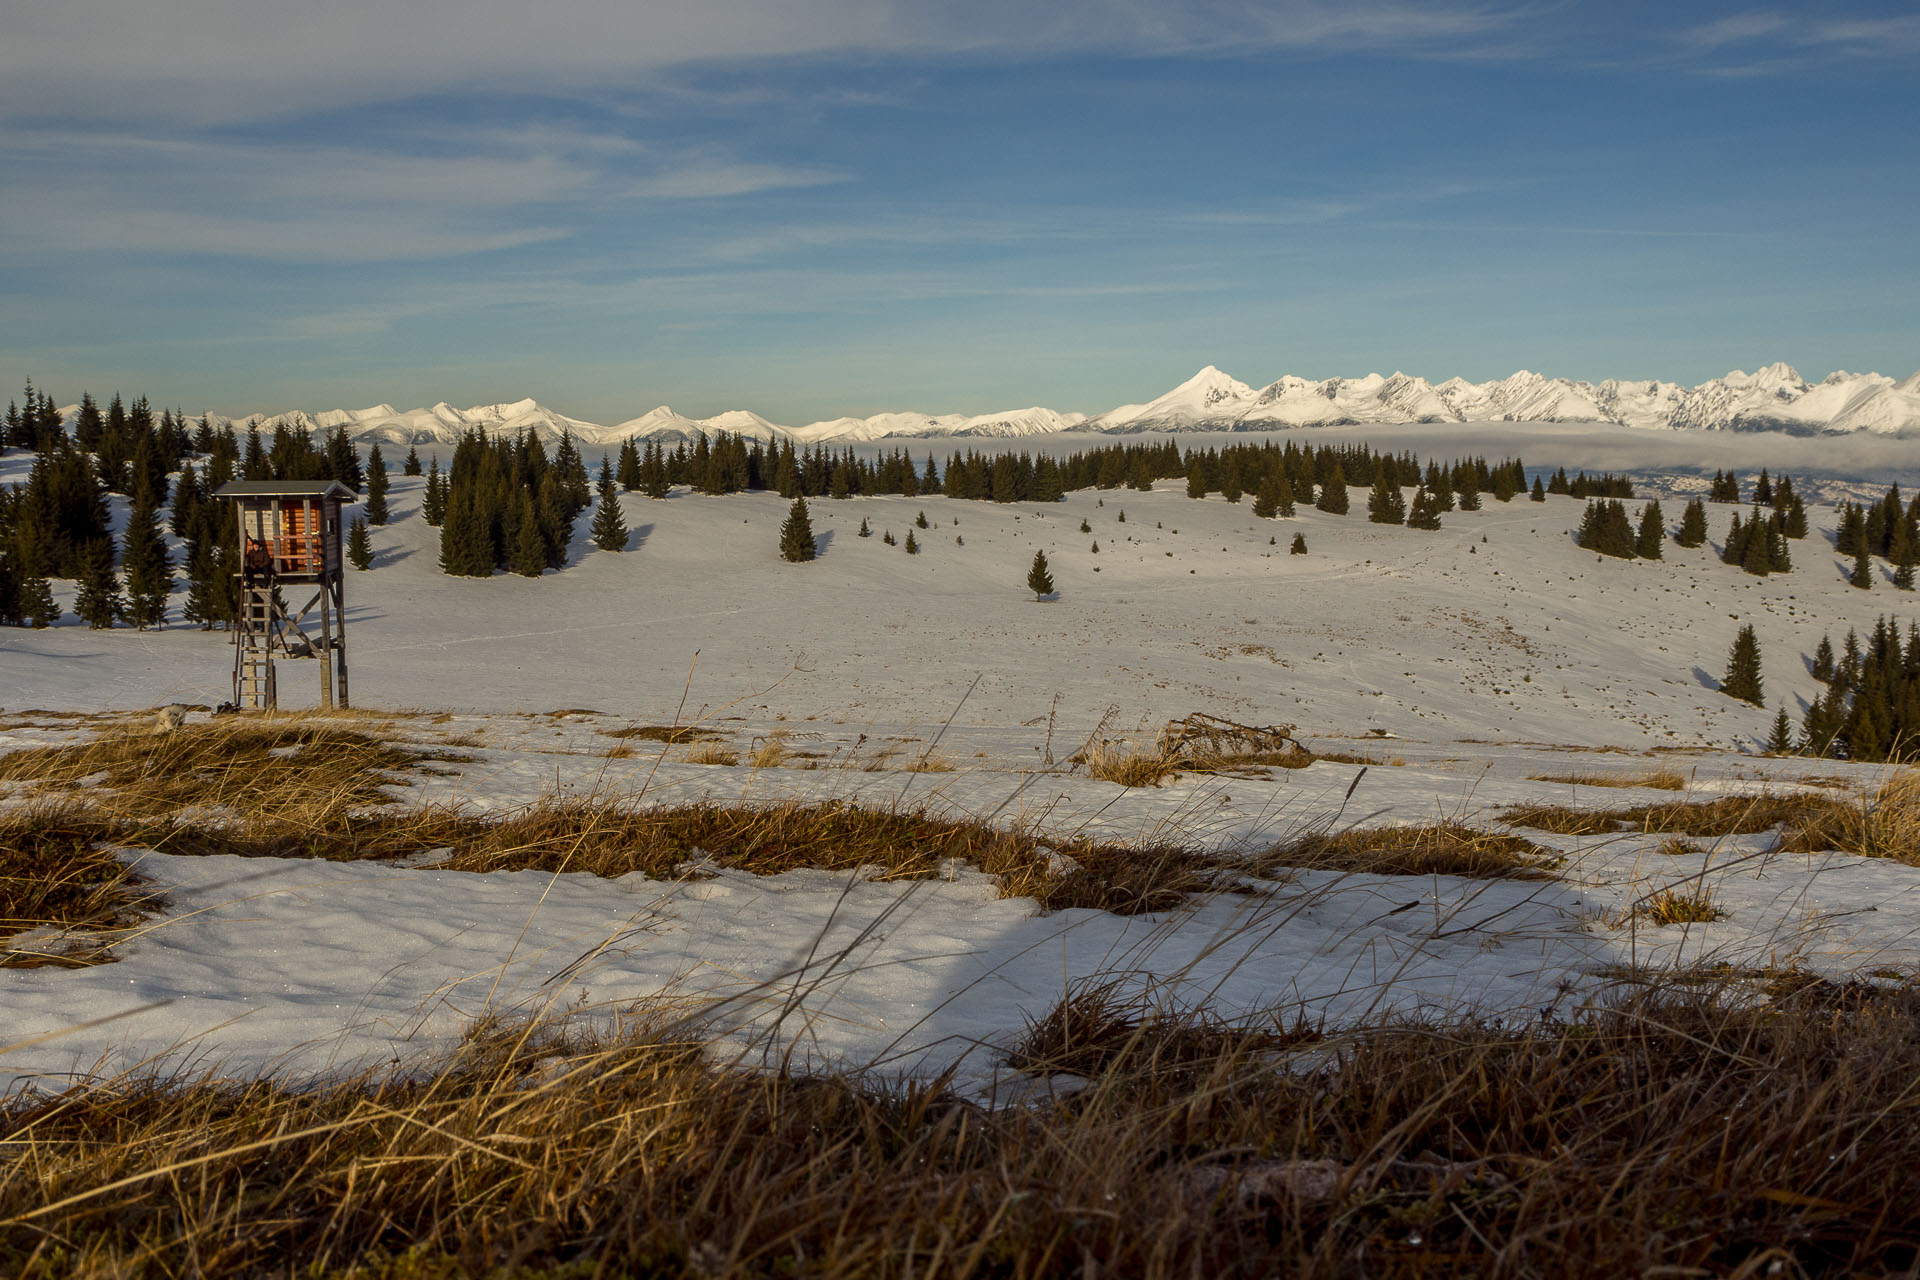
x=711, y=753
x=1680, y=1135
x=1727, y=815
x=611, y=839
x=55, y=876
x=1126, y=764
x=1350, y=757
x=312, y=769
x=1884, y=825
x=771, y=754
x=1443, y=848
x=1681, y=906
x=676, y=733
x=1658, y=780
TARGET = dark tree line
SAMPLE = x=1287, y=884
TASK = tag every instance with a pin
x=55, y=525
x=509, y=506
x=1870, y=708
x=1889, y=529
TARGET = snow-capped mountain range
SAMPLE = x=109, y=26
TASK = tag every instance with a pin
x=1775, y=398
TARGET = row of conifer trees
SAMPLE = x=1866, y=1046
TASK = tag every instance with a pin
x=1870, y=707
x=55, y=525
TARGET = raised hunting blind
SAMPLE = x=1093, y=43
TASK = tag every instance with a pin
x=289, y=537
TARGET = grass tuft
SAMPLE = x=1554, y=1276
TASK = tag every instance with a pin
x=1659, y=780
x=1883, y=825
x=677, y=733
x=302, y=769
x=1725, y=816
x=63, y=896
x=1444, y=848
x=1677, y=906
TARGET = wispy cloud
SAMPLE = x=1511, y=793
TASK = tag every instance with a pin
x=1767, y=41
x=706, y=179
x=225, y=60
x=427, y=194
x=1733, y=29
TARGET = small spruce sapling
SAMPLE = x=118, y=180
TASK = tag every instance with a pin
x=1780, y=741
x=1742, y=680
x=359, y=544
x=866, y=530
x=1652, y=534
x=377, y=483
x=609, y=522
x=98, y=601
x=911, y=546
x=796, y=535
x=1039, y=577
x=1299, y=547
x=1862, y=576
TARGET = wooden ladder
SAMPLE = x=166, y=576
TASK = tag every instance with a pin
x=253, y=683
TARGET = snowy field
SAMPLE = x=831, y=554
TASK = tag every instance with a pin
x=1457, y=668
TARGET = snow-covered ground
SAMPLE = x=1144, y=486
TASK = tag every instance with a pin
x=1461, y=663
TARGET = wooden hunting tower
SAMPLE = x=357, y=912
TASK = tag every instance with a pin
x=289, y=537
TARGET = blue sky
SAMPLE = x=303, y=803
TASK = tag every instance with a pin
x=816, y=207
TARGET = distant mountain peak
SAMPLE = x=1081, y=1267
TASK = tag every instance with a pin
x=1773, y=397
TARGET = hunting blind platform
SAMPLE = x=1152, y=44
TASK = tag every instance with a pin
x=289, y=537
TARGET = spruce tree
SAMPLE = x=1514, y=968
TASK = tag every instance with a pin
x=412, y=465
x=99, y=602
x=148, y=568
x=10, y=614
x=529, y=546
x=1693, y=525
x=1862, y=576
x=36, y=597
x=1901, y=549
x=1756, y=557
x=796, y=535
x=609, y=524
x=1196, y=478
x=1299, y=545
x=359, y=544
x=1230, y=477
x=866, y=530
x=1266, y=499
x=654, y=480
x=1742, y=680
x=433, y=503
x=1795, y=523
x=377, y=483
x=1780, y=741
x=1539, y=493
x=628, y=472
x=1822, y=669
x=1333, y=494
x=1469, y=492
x=911, y=547
x=1425, y=513
x=1039, y=578
x=1385, y=505
x=1653, y=533
x=1851, y=536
